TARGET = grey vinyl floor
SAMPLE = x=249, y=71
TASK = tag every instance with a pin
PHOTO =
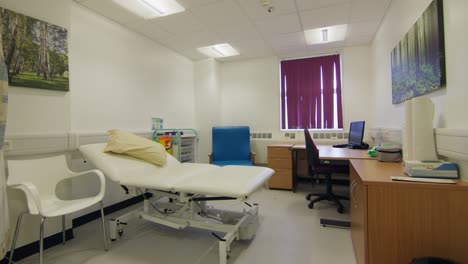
x=289, y=233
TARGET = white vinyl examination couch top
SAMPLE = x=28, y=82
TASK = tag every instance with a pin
x=179, y=193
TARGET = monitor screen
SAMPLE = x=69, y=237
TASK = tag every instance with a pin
x=356, y=132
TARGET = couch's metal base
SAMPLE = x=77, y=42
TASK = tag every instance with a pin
x=181, y=210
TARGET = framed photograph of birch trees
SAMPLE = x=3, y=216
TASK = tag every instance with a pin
x=35, y=52
x=418, y=61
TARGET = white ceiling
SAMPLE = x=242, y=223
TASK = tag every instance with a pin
x=248, y=27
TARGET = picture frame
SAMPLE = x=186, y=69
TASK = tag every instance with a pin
x=35, y=52
x=418, y=60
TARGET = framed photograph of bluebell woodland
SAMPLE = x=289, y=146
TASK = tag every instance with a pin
x=35, y=52
x=418, y=61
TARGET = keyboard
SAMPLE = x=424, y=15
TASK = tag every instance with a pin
x=341, y=145
x=431, y=180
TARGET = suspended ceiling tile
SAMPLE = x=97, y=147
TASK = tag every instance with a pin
x=287, y=40
x=255, y=10
x=199, y=39
x=316, y=4
x=248, y=25
x=112, y=10
x=239, y=31
x=328, y=46
x=194, y=3
x=324, y=17
x=221, y=13
x=178, y=24
x=279, y=24
x=363, y=28
x=368, y=9
x=251, y=47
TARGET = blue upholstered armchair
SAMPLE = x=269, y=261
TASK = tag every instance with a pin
x=231, y=146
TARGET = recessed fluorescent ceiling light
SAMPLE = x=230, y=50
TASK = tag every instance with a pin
x=219, y=50
x=325, y=35
x=149, y=9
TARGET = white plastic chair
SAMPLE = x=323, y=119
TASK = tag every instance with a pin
x=38, y=179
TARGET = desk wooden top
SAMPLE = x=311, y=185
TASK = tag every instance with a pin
x=374, y=172
x=327, y=152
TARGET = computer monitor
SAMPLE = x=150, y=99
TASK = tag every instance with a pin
x=356, y=133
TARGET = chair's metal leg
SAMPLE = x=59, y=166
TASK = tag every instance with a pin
x=63, y=230
x=41, y=241
x=15, y=236
x=103, y=226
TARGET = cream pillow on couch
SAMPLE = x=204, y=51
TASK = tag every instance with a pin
x=123, y=142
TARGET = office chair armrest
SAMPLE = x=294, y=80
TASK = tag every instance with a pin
x=99, y=174
x=252, y=157
x=33, y=198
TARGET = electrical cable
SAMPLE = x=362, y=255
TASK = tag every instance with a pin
x=159, y=210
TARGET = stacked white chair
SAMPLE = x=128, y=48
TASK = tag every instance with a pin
x=38, y=179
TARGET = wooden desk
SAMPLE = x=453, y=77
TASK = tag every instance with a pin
x=328, y=154
x=394, y=222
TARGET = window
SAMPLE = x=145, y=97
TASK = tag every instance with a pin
x=311, y=93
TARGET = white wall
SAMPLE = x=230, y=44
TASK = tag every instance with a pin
x=118, y=79
x=207, y=104
x=358, y=97
x=450, y=103
x=251, y=93
x=35, y=110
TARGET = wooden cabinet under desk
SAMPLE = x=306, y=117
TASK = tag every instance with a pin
x=279, y=159
x=395, y=222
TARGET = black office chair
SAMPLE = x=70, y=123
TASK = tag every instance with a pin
x=315, y=168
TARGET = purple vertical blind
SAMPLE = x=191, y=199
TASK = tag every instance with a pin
x=311, y=93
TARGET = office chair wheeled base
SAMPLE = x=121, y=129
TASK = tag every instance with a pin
x=327, y=197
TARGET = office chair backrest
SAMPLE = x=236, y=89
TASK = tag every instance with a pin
x=311, y=150
x=231, y=143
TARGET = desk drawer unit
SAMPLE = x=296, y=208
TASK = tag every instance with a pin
x=279, y=159
x=395, y=222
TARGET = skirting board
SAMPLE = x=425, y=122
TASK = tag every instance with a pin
x=33, y=248
x=84, y=219
x=56, y=239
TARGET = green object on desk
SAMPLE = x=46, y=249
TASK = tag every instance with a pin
x=372, y=152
